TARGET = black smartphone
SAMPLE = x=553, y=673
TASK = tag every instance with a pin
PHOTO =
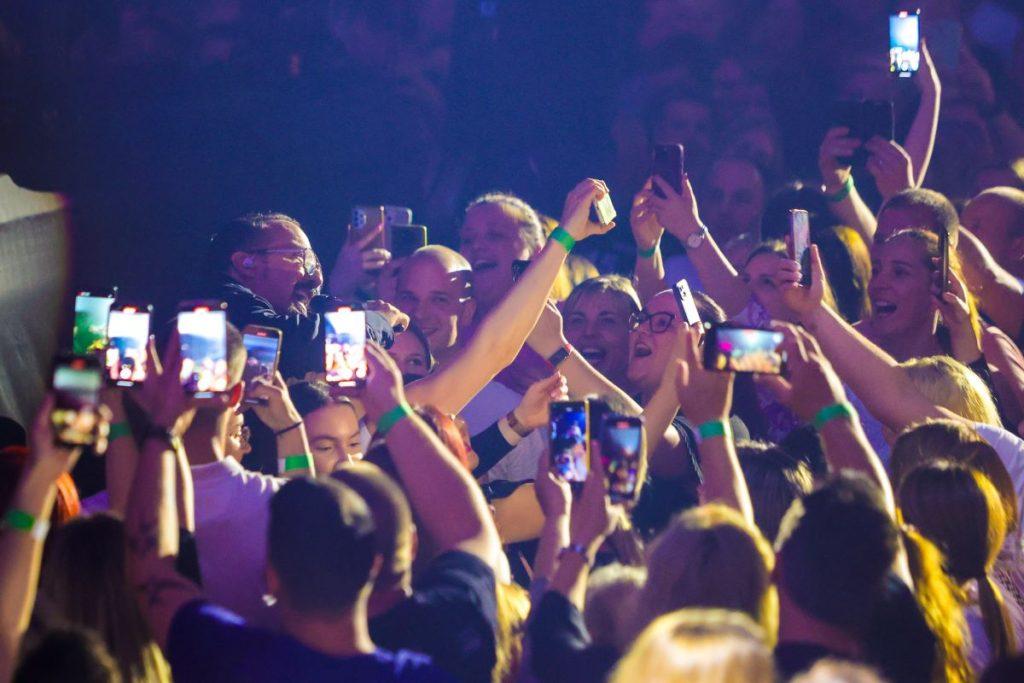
x=345, y=347
x=77, y=381
x=622, y=442
x=865, y=119
x=570, y=441
x=90, y=329
x=685, y=303
x=905, y=42
x=404, y=239
x=202, y=333
x=126, y=359
x=731, y=348
x=668, y=164
x=519, y=267
x=263, y=351
x=943, y=261
x=366, y=219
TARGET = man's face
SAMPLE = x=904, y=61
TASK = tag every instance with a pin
x=992, y=218
x=434, y=299
x=598, y=326
x=491, y=240
x=278, y=272
x=735, y=201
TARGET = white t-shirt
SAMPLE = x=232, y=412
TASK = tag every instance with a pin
x=232, y=507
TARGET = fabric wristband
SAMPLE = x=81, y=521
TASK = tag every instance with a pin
x=562, y=236
x=843, y=192
x=649, y=253
x=290, y=463
x=19, y=520
x=392, y=417
x=711, y=429
x=832, y=412
x=288, y=429
x=117, y=430
x=576, y=549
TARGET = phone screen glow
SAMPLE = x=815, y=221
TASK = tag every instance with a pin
x=904, y=43
x=345, y=346
x=126, y=354
x=204, y=364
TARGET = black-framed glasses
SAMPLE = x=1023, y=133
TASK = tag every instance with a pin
x=310, y=263
x=657, y=323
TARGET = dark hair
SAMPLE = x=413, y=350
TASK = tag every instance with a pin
x=415, y=331
x=847, y=265
x=12, y=433
x=308, y=397
x=942, y=213
x=236, y=235
x=320, y=544
x=708, y=308
x=775, y=480
x=835, y=547
x=898, y=640
x=795, y=195
x=67, y=654
x=654, y=113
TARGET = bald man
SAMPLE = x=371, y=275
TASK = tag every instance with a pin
x=434, y=291
x=996, y=216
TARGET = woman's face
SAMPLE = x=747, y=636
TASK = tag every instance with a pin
x=760, y=276
x=491, y=240
x=901, y=288
x=598, y=326
x=409, y=355
x=333, y=433
x=649, y=351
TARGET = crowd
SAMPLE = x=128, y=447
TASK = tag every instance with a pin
x=454, y=509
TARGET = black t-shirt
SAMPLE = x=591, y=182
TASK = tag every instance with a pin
x=452, y=616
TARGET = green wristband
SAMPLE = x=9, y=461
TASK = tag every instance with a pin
x=392, y=417
x=844, y=191
x=562, y=236
x=832, y=412
x=290, y=463
x=117, y=430
x=711, y=429
x=19, y=520
x=648, y=253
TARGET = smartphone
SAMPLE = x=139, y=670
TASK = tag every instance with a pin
x=404, y=239
x=905, y=43
x=943, y=261
x=90, y=330
x=519, y=267
x=345, y=347
x=800, y=234
x=604, y=210
x=76, y=386
x=730, y=348
x=366, y=219
x=126, y=359
x=865, y=119
x=668, y=164
x=397, y=215
x=263, y=351
x=202, y=332
x=684, y=300
x=570, y=440
x=622, y=442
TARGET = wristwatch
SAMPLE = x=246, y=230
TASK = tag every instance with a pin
x=696, y=239
x=559, y=356
x=163, y=434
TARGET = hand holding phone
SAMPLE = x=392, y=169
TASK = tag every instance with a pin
x=668, y=164
x=731, y=348
x=345, y=347
x=367, y=227
x=604, y=210
x=202, y=338
x=263, y=352
x=75, y=417
x=684, y=301
x=569, y=439
x=943, y=262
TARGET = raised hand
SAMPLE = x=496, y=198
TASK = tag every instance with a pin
x=398, y=320
x=643, y=221
x=677, y=212
x=383, y=389
x=890, y=165
x=532, y=411
x=162, y=396
x=553, y=492
x=355, y=263
x=956, y=314
x=837, y=144
x=810, y=383
x=576, y=214
x=45, y=454
x=806, y=301
x=276, y=410
x=704, y=395
x=592, y=517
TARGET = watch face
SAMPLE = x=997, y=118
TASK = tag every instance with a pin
x=696, y=239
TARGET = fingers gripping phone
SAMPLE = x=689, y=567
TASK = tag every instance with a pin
x=569, y=436
x=865, y=120
x=943, y=262
x=730, y=348
x=622, y=443
x=90, y=329
x=604, y=210
x=202, y=332
x=126, y=359
x=668, y=165
x=263, y=351
x=345, y=347
x=76, y=386
x=687, y=307
x=905, y=43
x=800, y=241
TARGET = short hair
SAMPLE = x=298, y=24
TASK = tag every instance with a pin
x=392, y=516
x=613, y=284
x=951, y=384
x=941, y=212
x=835, y=547
x=237, y=234
x=775, y=480
x=1015, y=198
x=321, y=544
x=309, y=397
x=67, y=654
x=526, y=217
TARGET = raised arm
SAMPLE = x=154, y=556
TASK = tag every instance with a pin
x=649, y=269
x=122, y=453
x=837, y=178
x=294, y=456
x=446, y=500
x=921, y=138
x=504, y=331
x=1000, y=295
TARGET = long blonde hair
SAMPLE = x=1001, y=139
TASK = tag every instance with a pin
x=698, y=646
x=954, y=386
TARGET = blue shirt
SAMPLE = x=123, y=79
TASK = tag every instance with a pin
x=210, y=643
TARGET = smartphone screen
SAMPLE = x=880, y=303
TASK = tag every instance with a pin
x=366, y=219
x=405, y=239
x=743, y=349
x=127, y=351
x=204, y=363
x=668, y=164
x=944, y=261
x=345, y=347
x=800, y=232
x=76, y=385
x=905, y=43
x=621, y=441
x=687, y=306
x=263, y=347
x=90, y=331
x=570, y=440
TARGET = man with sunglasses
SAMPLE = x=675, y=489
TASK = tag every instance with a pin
x=263, y=266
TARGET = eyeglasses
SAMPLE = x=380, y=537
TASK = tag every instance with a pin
x=310, y=263
x=657, y=323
